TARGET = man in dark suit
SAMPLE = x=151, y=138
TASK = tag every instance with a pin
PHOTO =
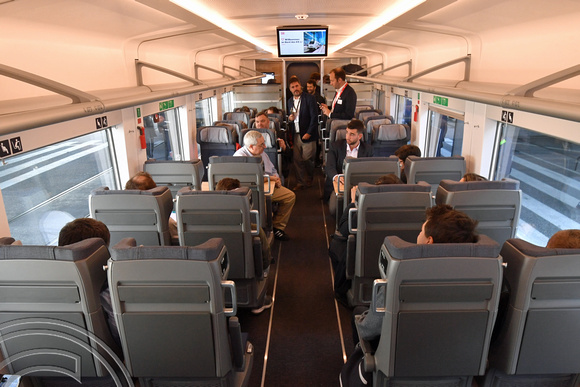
x=304, y=114
x=352, y=146
x=344, y=101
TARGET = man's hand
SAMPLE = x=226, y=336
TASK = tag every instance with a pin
x=325, y=110
x=282, y=144
x=353, y=193
x=306, y=137
x=291, y=117
x=276, y=180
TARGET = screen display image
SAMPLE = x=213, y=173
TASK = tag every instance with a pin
x=302, y=42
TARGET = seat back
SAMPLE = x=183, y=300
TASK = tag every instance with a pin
x=215, y=141
x=175, y=174
x=539, y=335
x=238, y=116
x=374, y=121
x=169, y=305
x=338, y=130
x=382, y=210
x=387, y=138
x=361, y=108
x=143, y=215
x=364, y=114
x=202, y=215
x=250, y=172
x=333, y=125
x=237, y=125
x=434, y=169
x=440, y=306
x=49, y=307
x=494, y=204
x=367, y=170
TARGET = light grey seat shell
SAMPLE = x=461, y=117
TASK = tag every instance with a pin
x=382, y=210
x=50, y=306
x=538, y=341
x=440, y=306
x=494, y=204
x=168, y=303
x=143, y=215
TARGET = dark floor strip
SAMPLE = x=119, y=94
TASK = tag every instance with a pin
x=304, y=348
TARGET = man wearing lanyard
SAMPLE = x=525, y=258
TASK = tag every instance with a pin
x=344, y=102
x=304, y=115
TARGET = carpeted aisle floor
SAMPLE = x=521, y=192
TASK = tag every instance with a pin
x=304, y=347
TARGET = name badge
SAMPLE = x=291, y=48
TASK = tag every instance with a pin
x=339, y=102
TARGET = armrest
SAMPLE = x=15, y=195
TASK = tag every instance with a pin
x=338, y=187
x=255, y=218
x=231, y=287
x=350, y=256
x=267, y=177
x=257, y=250
x=377, y=285
x=369, y=356
x=352, y=212
x=326, y=144
x=237, y=342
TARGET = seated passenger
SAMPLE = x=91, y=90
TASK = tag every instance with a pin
x=143, y=181
x=351, y=146
x=472, y=177
x=443, y=225
x=273, y=110
x=254, y=145
x=337, y=248
x=79, y=230
x=402, y=153
x=565, y=239
x=228, y=184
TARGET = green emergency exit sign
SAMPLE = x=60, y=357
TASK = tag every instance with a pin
x=441, y=100
x=166, y=105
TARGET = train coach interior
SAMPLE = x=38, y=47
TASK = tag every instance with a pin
x=89, y=91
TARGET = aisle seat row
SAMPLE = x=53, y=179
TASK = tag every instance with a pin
x=455, y=311
x=440, y=311
x=168, y=303
x=398, y=209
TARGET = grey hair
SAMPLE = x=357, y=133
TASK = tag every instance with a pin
x=251, y=138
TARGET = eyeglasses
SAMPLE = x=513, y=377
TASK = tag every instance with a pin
x=263, y=145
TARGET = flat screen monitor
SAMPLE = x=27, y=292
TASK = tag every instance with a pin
x=302, y=41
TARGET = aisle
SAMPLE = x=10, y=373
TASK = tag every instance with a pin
x=305, y=346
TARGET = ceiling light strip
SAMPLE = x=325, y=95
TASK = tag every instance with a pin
x=199, y=9
x=399, y=8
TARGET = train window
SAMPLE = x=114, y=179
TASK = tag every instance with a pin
x=205, y=112
x=548, y=169
x=444, y=133
x=403, y=110
x=162, y=134
x=45, y=188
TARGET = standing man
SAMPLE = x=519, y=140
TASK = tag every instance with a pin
x=313, y=89
x=304, y=115
x=254, y=145
x=344, y=102
x=351, y=146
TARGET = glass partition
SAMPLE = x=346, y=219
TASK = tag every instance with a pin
x=163, y=134
x=403, y=110
x=444, y=133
